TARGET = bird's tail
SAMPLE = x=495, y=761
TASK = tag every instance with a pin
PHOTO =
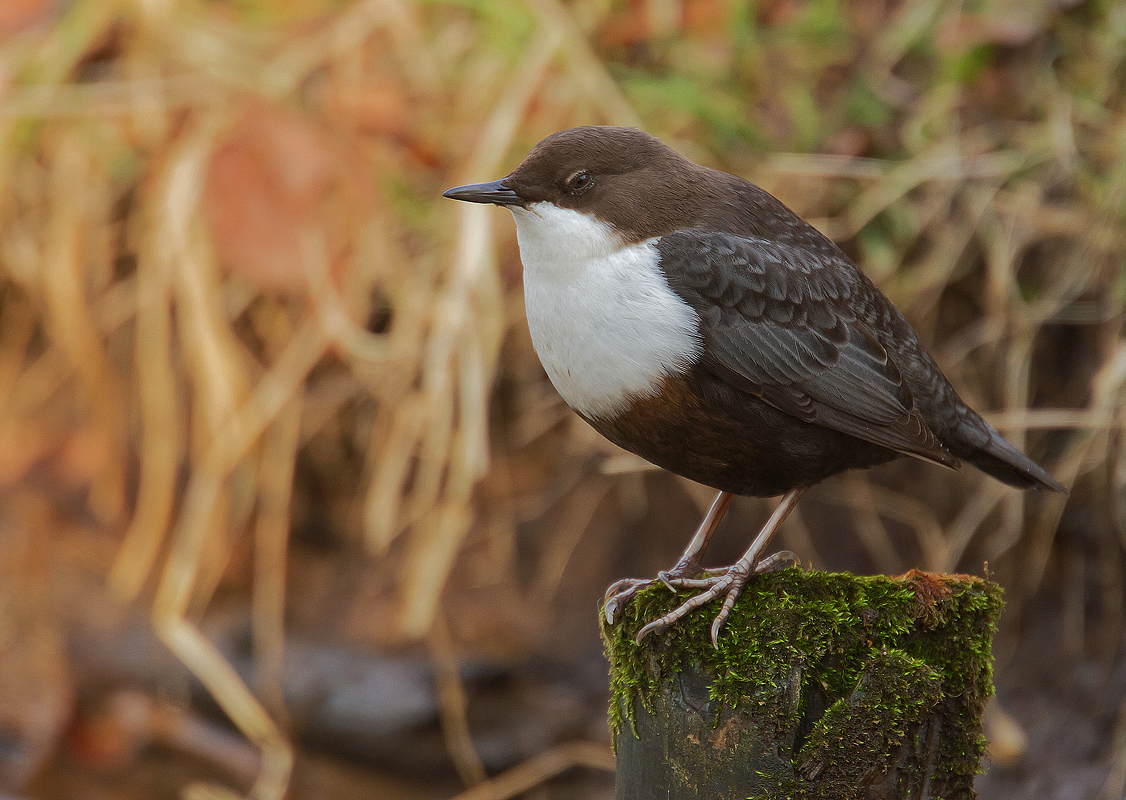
x=988, y=450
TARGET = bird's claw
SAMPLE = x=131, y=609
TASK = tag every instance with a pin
x=618, y=595
x=777, y=562
x=727, y=582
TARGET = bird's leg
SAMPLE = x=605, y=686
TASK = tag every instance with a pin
x=686, y=568
x=689, y=564
x=709, y=577
x=731, y=582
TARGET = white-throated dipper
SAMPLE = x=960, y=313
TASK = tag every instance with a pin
x=696, y=321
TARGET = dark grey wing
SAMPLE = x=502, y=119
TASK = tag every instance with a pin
x=780, y=323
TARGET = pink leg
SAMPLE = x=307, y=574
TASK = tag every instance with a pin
x=689, y=563
x=687, y=567
x=730, y=583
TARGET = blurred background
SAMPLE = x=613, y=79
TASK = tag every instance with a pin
x=287, y=502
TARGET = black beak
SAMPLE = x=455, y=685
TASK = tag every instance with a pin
x=493, y=192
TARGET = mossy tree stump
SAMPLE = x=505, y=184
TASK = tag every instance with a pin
x=824, y=687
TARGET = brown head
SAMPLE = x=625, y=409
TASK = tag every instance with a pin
x=636, y=183
x=623, y=176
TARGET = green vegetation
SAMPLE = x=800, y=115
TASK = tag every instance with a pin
x=877, y=654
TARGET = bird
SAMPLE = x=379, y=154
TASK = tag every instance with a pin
x=693, y=319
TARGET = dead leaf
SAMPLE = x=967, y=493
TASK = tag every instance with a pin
x=370, y=107
x=19, y=15
x=276, y=177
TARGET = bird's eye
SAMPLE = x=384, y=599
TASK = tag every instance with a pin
x=578, y=182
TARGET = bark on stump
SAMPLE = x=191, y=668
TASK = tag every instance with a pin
x=824, y=687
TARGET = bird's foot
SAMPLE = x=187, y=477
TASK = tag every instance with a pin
x=778, y=561
x=619, y=594
x=727, y=582
x=684, y=575
x=689, y=576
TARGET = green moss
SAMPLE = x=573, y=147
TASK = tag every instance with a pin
x=892, y=697
x=845, y=659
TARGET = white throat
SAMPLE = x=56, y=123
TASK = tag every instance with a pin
x=606, y=325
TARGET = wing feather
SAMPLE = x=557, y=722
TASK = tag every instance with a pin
x=778, y=323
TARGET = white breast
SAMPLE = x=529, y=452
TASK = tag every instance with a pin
x=606, y=325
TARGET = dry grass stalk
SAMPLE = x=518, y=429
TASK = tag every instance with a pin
x=543, y=767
